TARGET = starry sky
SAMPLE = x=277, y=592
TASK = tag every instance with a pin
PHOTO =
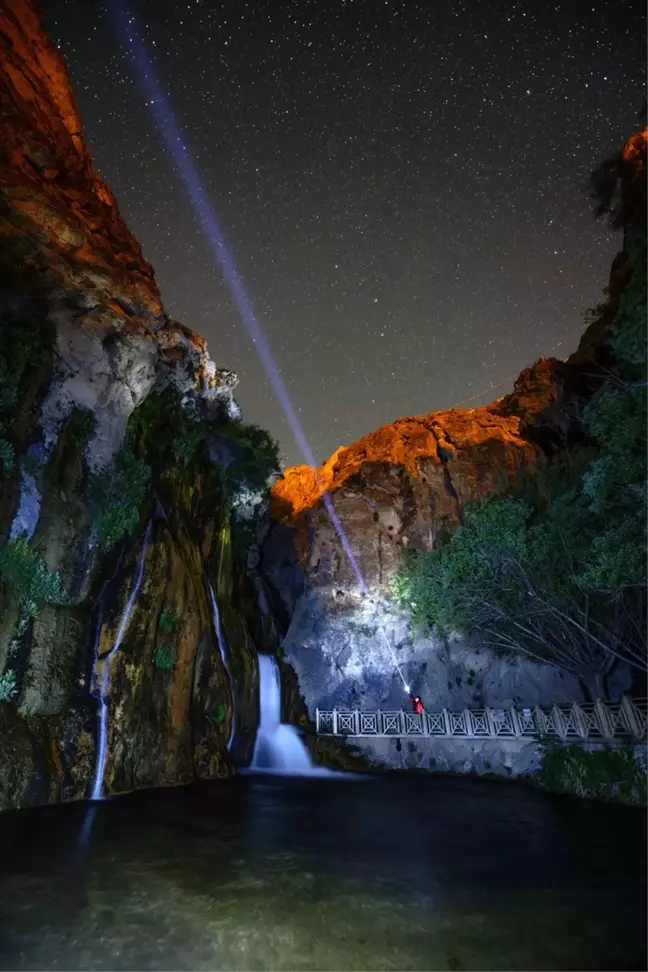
x=401, y=183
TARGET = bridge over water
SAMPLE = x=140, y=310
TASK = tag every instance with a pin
x=566, y=721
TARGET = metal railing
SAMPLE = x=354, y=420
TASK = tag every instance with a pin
x=586, y=720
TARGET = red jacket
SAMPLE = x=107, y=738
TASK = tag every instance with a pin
x=417, y=704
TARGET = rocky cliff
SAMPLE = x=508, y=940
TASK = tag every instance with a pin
x=125, y=651
x=397, y=489
x=400, y=487
x=133, y=594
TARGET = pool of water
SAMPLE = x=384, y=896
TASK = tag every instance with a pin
x=272, y=873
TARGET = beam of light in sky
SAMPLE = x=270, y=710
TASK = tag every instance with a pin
x=170, y=131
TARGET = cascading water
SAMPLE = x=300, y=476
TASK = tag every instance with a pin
x=223, y=653
x=278, y=747
x=102, y=735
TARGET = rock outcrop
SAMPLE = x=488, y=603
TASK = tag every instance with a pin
x=401, y=486
x=133, y=594
x=396, y=489
x=117, y=577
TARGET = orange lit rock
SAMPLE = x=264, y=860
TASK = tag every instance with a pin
x=447, y=442
x=69, y=264
x=58, y=216
x=633, y=177
x=395, y=488
x=62, y=237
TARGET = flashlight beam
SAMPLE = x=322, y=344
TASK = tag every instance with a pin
x=171, y=134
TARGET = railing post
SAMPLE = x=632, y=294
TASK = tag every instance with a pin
x=539, y=720
x=356, y=721
x=317, y=724
x=401, y=723
x=490, y=722
x=558, y=721
x=606, y=724
x=581, y=723
x=335, y=722
x=447, y=723
x=630, y=716
x=515, y=722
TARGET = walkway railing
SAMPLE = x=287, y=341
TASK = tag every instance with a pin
x=588, y=720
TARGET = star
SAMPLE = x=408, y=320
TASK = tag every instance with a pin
x=429, y=158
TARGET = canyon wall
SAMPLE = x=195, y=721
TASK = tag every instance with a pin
x=122, y=458
x=398, y=489
x=134, y=593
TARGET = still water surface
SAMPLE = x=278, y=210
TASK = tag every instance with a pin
x=392, y=873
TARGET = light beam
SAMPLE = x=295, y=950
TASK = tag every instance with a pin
x=170, y=131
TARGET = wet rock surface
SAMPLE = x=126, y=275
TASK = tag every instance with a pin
x=101, y=382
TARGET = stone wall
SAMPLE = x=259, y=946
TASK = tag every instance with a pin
x=506, y=758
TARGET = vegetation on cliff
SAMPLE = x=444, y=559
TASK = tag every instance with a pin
x=249, y=469
x=556, y=568
x=605, y=773
x=168, y=448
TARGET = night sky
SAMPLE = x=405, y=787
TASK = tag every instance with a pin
x=401, y=183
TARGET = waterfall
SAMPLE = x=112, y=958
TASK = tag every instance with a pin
x=102, y=735
x=223, y=653
x=278, y=747
x=26, y=518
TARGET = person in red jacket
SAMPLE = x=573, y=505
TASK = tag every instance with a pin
x=417, y=703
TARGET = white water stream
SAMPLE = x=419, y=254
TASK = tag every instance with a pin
x=102, y=735
x=279, y=748
x=223, y=653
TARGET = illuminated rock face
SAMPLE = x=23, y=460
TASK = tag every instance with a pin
x=393, y=490
x=103, y=345
x=63, y=242
x=397, y=489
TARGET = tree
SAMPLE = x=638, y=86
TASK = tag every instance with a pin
x=512, y=577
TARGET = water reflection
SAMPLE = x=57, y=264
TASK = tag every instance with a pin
x=285, y=873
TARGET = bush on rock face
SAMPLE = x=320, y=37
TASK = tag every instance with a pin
x=511, y=576
x=607, y=773
x=251, y=466
x=117, y=498
x=26, y=572
x=8, y=686
x=556, y=569
x=166, y=449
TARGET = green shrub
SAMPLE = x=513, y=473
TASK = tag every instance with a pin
x=530, y=580
x=608, y=773
x=254, y=454
x=165, y=655
x=117, y=496
x=168, y=621
x=218, y=715
x=253, y=464
x=24, y=570
x=8, y=687
x=185, y=446
x=163, y=433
